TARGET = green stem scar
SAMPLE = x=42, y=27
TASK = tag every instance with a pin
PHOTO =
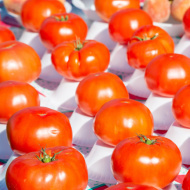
x=146, y=140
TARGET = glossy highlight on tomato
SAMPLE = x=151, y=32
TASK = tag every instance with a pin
x=66, y=171
x=19, y=62
x=125, y=22
x=63, y=27
x=122, y=118
x=33, y=12
x=16, y=96
x=32, y=128
x=167, y=73
x=75, y=60
x=105, y=9
x=97, y=89
x=143, y=160
x=6, y=34
x=146, y=43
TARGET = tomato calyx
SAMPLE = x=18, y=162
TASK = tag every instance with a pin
x=62, y=18
x=146, y=140
x=45, y=158
x=145, y=37
x=78, y=45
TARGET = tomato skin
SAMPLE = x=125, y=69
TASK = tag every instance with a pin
x=186, y=22
x=34, y=12
x=127, y=20
x=145, y=164
x=99, y=88
x=140, y=53
x=32, y=128
x=186, y=182
x=6, y=34
x=180, y=106
x=53, y=31
x=167, y=73
x=105, y=9
x=122, y=118
x=76, y=64
x=129, y=186
x=68, y=171
x=16, y=96
x=23, y=65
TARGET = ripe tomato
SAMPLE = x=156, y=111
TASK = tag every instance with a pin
x=16, y=96
x=66, y=171
x=75, y=60
x=32, y=128
x=186, y=182
x=6, y=34
x=97, y=89
x=186, y=22
x=62, y=27
x=125, y=22
x=143, y=161
x=167, y=73
x=105, y=9
x=122, y=118
x=34, y=12
x=147, y=43
x=18, y=61
x=129, y=186
x=180, y=106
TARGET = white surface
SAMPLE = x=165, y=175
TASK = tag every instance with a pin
x=82, y=124
x=181, y=137
x=99, y=163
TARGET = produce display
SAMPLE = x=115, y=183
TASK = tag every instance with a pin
x=95, y=102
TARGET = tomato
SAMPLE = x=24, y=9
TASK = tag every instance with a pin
x=180, y=106
x=186, y=22
x=147, y=43
x=125, y=22
x=97, y=89
x=122, y=118
x=167, y=73
x=105, y=9
x=18, y=61
x=129, y=186
x=66, y=171
x=34, y=12
x=186, y=182
x=75, y=60
x=32, y=128
x=62, y=27
x=6, y=34
x=153, y=160
x=16, y=96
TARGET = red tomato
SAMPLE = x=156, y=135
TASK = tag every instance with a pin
x=124, y=23
x=186, y=22
x=32, y=128
x=186, y=182
x=97, y=89
x=62, y=27
x=129, y=186
x=167, y=73
x=6, y=34
x=34, y=12
x=16, y=96
x=122, y=118
x=75, y=60
x=180, y=106
x=18, y=61
x=153, y=160
x=67, y=171
x=147, y=43
x=107, y=8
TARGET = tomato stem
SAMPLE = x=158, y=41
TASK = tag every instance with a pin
x=62, y=18
x=145, y=37
x=146, y=140
x=78, y=45
x=45, y=158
